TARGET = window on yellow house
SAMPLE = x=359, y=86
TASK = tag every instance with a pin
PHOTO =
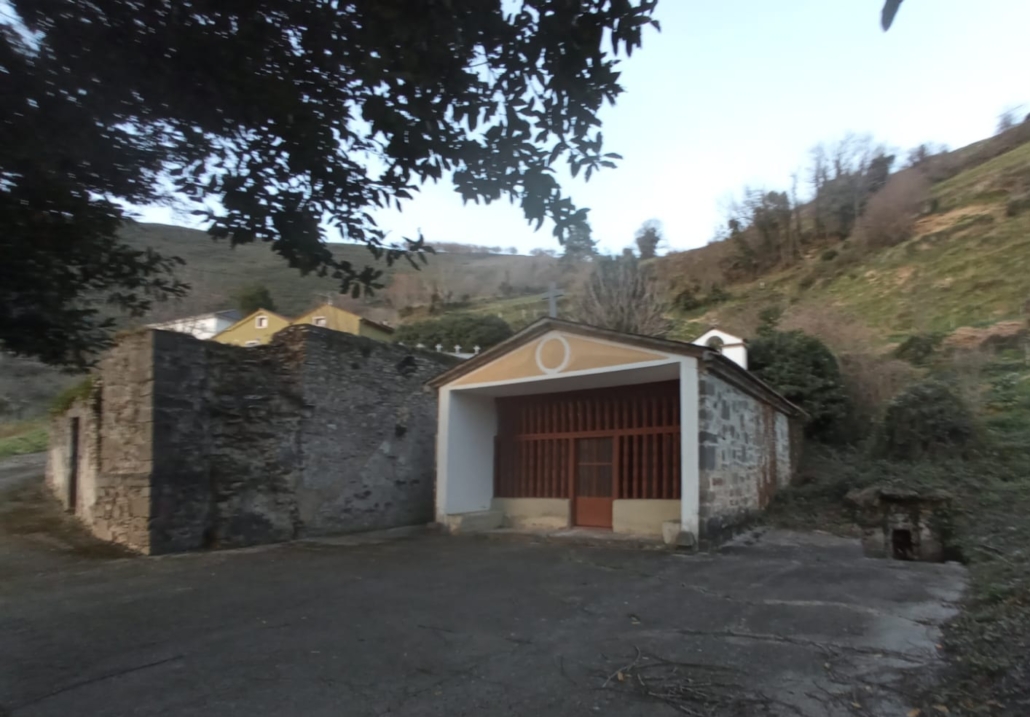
x=319, y=321
x=261, y=322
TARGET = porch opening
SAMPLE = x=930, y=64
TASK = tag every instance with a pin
x=591, y=447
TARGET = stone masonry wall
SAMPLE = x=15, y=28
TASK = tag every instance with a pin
x=225, y=419
x=59, y=469
x=745, y=455
x=121, y=507
x=115, y=447
x=368, y=437
x=201, y=444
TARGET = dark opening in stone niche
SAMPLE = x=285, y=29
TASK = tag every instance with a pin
x=904, y=524
x=901, y=541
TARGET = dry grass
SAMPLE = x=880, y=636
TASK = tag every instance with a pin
x=23, y=437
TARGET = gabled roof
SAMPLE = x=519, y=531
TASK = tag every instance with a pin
x=713, y=360
x=362, y=319
x=723, y=335
x=250, y=316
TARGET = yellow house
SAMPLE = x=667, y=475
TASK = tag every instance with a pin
x=337, y=319
x=253, y=330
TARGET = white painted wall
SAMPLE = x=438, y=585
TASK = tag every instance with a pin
x=690, y=457
x=733, y=347
x=202, y=327
x=464, y=452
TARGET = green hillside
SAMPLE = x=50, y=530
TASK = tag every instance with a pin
x=968, y=263
x=214, y=270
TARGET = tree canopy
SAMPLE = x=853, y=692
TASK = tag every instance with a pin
x=250, y=297
x=648, y=237
x=579, y=244
x=927, y=420
x=279, y=120
x=803, y=369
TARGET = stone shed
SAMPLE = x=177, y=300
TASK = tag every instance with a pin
x=186, y=444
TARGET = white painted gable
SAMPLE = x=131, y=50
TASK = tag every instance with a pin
x=732, y=347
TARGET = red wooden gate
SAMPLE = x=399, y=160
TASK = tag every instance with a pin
x=558, y=446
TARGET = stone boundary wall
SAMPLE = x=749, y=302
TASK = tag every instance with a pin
x=745, y=455
x=199, y=444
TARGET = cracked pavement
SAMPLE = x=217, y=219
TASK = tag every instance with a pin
x=794, y=624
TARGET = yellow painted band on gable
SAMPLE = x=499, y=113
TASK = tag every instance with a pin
x=584, y=355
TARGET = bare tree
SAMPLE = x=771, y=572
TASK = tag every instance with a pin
x=1007, y=119
x=918, y=156
x=818, y=177
x=795, y=207
x=891, y=213
x=621, y=295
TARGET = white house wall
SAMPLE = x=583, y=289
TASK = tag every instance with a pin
x=465, y=452
x=690, y=486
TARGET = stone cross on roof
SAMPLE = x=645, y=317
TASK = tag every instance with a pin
x=552, y=296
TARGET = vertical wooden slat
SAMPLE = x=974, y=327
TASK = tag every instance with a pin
x=536, y=469
x=530, y=475
x=655, y=490
x=666, y=467
x=645, y=465
x=552, y=484
x=633, y=457
x=559, y=467
x=676, y=467
x=523, y=468
x=516, y=471
x=542, y=490
x=545, y=456
x=616, y=441
x=570, y=468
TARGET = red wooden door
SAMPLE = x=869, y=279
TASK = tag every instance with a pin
x=593, y=490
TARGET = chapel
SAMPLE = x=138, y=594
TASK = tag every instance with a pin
x=570, y=425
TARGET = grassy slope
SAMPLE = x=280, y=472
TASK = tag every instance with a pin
x=23, y=437
x=969, y=264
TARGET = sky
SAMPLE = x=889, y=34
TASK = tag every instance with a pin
x=734, y=93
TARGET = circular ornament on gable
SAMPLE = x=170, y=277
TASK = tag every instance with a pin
x=553, y=354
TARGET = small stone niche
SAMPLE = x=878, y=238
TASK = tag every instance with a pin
x=903, y=524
